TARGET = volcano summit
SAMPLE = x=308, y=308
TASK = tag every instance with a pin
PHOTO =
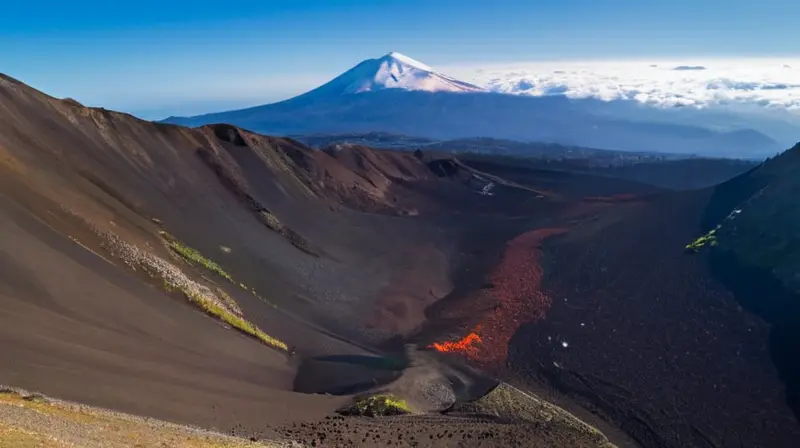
x=397, y=94
x=392, y=71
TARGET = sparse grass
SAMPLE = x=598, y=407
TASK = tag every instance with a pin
x=228, y=301
x=40, y=403
x=192, y=256
x=168, y=286
x=213, y=309
x=53, y=423
x=218, y=303
x=11, y=437
x=378, y=406
x=709, y=239
x=214, y=302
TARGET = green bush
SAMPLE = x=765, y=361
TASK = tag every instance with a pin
x=709, y=239
x=378, y=406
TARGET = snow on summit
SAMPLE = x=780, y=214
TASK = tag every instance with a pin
x=394, y=71
x=400, y=57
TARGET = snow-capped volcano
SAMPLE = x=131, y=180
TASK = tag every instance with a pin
x=397, y=94
x=394, y=71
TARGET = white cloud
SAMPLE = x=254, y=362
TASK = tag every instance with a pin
x=772, y=83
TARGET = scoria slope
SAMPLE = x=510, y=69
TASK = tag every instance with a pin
x=240, y=282
x=680, y=332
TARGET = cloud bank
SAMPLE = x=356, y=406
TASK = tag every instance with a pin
x=686, y=68
x=766, y=83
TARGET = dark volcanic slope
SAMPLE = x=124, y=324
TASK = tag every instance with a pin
x=540, y=278
x=335, y=252
x=758, y=254
x=606, y=305
x=260, y=197
x=653, y=340
x=76, y=326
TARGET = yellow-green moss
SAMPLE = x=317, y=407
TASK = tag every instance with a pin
x=224, y=307
x=228, y=301
x=378, y=406
x=709, y=239
x=194, y=257
x=234, y=321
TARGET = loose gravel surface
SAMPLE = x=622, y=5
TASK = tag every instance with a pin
x=434, y=431
x=30, y=420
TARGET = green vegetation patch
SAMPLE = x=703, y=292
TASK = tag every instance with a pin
x=192, y=256
x=228, y=301
x=382, y=405
x=709, y=239
x=214, y=302
x=213, y=309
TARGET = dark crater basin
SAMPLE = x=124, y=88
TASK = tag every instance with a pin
x=347, y=374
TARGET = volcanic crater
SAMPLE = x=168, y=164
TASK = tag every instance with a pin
x=146, y=267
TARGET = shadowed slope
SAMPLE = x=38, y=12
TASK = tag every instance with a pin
x=73, y=334
x=260, y=233
x=346, y=254
x=112, y=167
x=677, y=349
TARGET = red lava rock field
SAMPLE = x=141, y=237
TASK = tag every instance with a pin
x=516, y=290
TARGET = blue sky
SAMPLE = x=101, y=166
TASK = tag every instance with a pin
x=155, y=58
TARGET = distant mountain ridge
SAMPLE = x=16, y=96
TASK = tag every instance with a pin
x=397, y=94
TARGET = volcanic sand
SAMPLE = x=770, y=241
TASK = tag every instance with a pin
x=634, y=328
x=325, y=251
x=352, y=251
